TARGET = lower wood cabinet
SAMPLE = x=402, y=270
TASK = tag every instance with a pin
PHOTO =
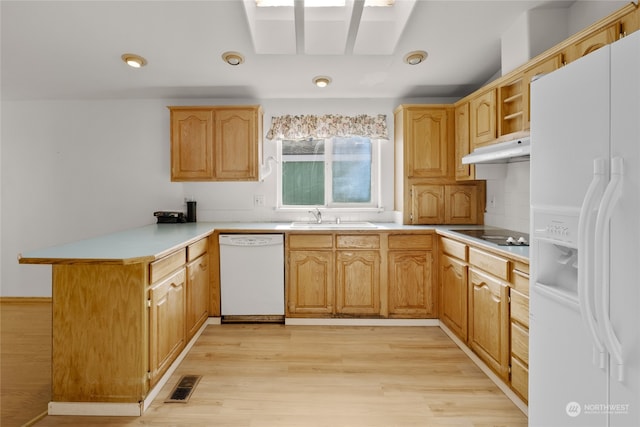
x=310, y=282
x=360, y=275
x=410, y=285
x=484, y=301
x=167, y=313
x=489, y=321
x=453, y=294
x=358, y=282
x=197, y=302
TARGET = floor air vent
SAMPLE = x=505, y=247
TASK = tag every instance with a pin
x=182, y=392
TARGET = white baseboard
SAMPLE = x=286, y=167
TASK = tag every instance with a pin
x=134, y=409
x=484, y=368
x=300, y=321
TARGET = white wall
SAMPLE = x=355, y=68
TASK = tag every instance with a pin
x=76, y=169
x=507, y=195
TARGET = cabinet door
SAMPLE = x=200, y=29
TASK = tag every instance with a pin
x=410, y=287
x=453, y=294
x=489, y=321
x=427, y=143
x=311, y=282
x=543, y=67
x=236, y=145
x=427, y=204
x=594, y=41
x=482, y=111
x=197, y=294
x=358, y=282
x=461, y=204
x=463, y=143
x=191, y=145
x=166, y=323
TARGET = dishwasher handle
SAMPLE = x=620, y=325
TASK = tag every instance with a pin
x=250, y=240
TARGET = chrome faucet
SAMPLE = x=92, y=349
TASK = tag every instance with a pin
x=317, y=215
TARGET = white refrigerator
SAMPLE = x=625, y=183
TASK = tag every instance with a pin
x=584, y=365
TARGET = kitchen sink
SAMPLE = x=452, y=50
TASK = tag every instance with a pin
x=332, y=225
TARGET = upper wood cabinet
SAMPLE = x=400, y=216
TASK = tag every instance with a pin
x=483, y=126
x=448, y=203
x=463, y=143
x=216, y=143
x=543, y=67
x=511, y=105
x=426, y=140
x=594, y=41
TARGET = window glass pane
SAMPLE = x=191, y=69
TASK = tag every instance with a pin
x=351, y=170
x=303, y=172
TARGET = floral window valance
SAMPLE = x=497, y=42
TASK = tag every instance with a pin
x=327, y=126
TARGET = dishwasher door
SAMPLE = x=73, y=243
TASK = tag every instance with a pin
x=252, y=274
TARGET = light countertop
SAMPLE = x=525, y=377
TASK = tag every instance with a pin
x=150, y=242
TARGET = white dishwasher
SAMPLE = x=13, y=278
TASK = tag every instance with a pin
x=251, y=275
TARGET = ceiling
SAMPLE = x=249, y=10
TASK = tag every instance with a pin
x=72, y=49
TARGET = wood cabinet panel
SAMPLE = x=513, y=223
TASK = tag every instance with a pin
x=358, y=241
x=462, y=139
x=236, y=148
x=489, y=321
x=166, y=323
x=520, y=342
x=594, y=41
x=427, y=204
x=197, y=294
x=453, y=294
x=197, y=249
x=97, y=356
x=520, y=378
x=428, y=143
x=461, y=203
x=215, y=143
x=519, y=308
x=191, y=148
x=160, y=268
x=313, y=241
x=410, y=241
x=453, y=248
x=410, y=284
x=310, y=283
x=483, y=126
x=492, y=264
x=358, y=282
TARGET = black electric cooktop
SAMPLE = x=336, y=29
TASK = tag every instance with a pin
x=498, y=236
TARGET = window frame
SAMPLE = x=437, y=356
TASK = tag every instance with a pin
x=374, y=204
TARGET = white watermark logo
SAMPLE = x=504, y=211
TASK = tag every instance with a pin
x=573, y=409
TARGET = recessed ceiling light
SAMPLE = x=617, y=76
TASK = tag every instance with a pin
x=133, y=60
x=233, y=58
x=321, y=81
x=415, y=57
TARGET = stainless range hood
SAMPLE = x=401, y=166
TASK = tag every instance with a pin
x=504, y=152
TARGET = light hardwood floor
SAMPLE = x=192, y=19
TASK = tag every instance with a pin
x=276, y=375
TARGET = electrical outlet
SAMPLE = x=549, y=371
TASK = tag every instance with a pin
x=258, y=200
x=492, y=203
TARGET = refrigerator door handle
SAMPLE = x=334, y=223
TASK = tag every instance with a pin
x=603, y=264
x=585, y=260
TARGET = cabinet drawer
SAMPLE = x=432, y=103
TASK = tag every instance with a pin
x=160, y=268
x=520, y=308
x=358, y=241
x=316, y=241
x=520, y=280
x=410, y=241
x=453, y=248
x=520, y=342
x=493, y=264
x=196, y=249
x=520, y=378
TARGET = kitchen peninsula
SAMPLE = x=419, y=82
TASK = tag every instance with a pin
x=127, y=306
